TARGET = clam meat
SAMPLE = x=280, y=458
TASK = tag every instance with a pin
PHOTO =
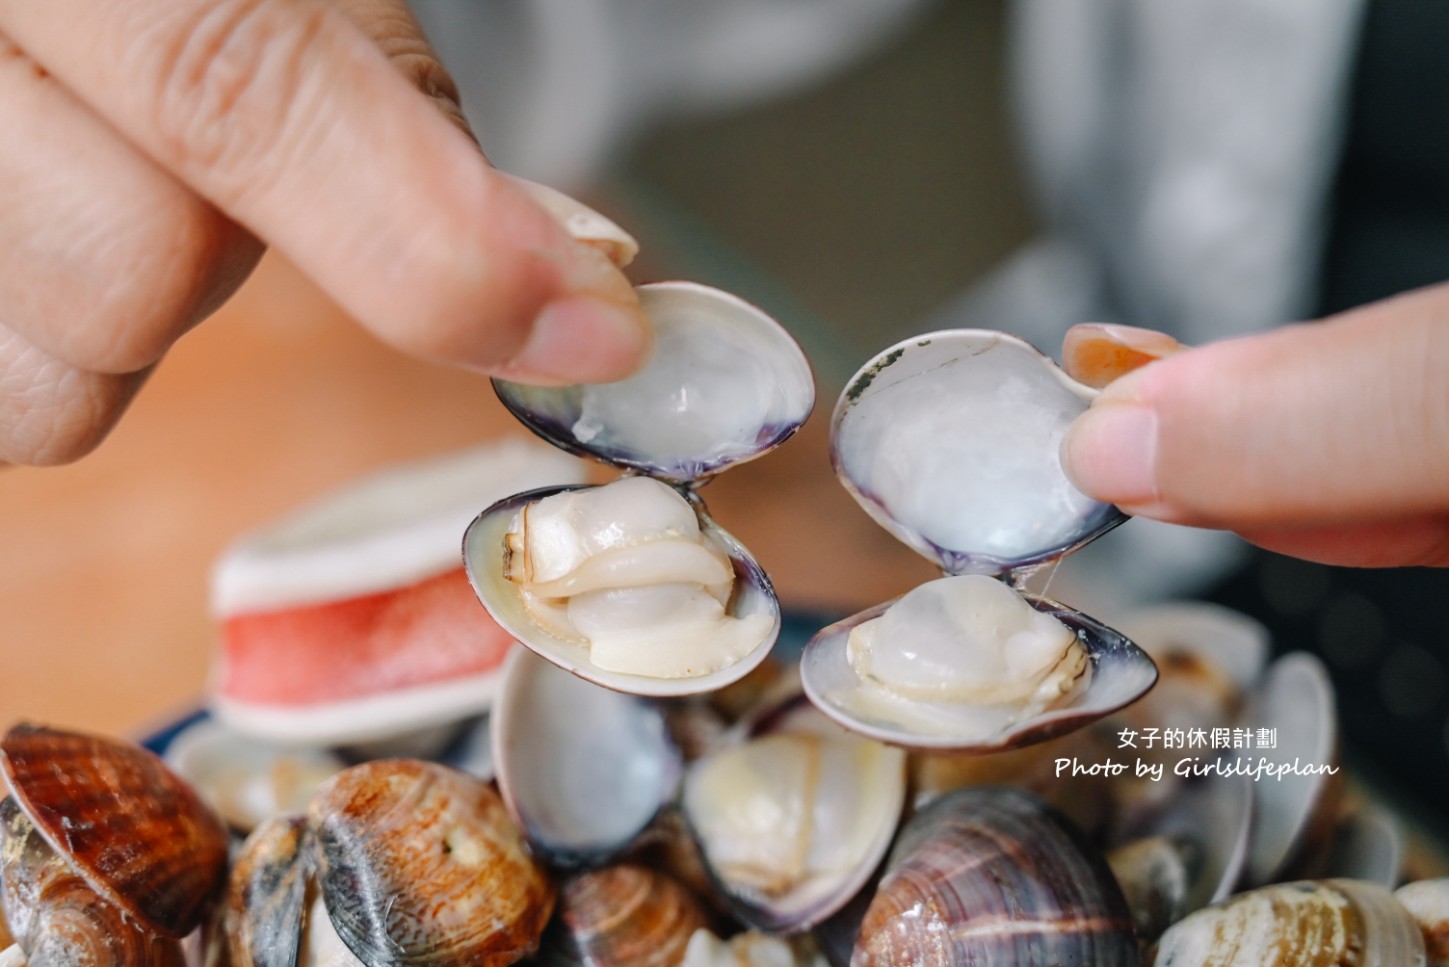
x=627, y=571
x=965, y=646
x=792, y=822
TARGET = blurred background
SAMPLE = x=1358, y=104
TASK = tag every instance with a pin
x=856, y=204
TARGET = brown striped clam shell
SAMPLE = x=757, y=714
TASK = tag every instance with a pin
x=622, y=916
x=986, y=876
x=1328, y=923
x=57, y=919
x=139, y=835
x=420, y=864
x=1427, y=901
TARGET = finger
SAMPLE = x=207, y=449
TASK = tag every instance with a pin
x=287, y=117
x=1345, y=420
x=1414, y=542
x=1096, y=354
x=53, y=412
x=392, y=27
x=108, y=259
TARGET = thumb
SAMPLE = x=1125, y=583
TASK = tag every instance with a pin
x=1339, y=422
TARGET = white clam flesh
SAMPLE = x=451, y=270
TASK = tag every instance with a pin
x=626, y=571
x=964, y=643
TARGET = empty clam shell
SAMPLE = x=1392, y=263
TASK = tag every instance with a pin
x=1293, y=815
x=140, y=836
x=725, y=384
x=950, y=441
x=1117, y=673
x=583, y=769
x=1368, y=844
x=752, y=601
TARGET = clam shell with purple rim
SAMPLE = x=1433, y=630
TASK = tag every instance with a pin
x=725, y=384
x=949, y=441
x=485, y=552
x=1117, y=673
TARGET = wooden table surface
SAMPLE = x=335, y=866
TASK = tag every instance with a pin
x=104, y=564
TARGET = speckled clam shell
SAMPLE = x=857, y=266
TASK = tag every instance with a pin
x=725, y=384
x=1427, y=901
x=950, y=441
x=994, y=877
x=1119, y=673
x=267, y=892
x=58, y=920
x=484, y=555
x=139, y=835
x=621, y=916
x=1303, y=924
x=583, y=769
x=421, y=865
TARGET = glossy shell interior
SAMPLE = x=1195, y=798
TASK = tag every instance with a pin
x=726, y=383
x=583, y=769
x=484, y=554
x=950, y=441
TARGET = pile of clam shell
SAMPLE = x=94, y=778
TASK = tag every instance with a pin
x=940, y=780
x=740, y=827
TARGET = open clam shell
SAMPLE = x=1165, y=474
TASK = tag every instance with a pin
x=583, y=769
x=485, y=558
x=1293, y=815
x=725, y=384
x=1118, y=673
x=949, y=441
x=794, y=818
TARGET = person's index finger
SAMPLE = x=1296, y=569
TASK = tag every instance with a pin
x=288, y=117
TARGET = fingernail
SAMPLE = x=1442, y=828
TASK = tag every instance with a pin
x=578, y=339
x=1110, y=453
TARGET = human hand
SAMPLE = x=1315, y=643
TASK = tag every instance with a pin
x=1326, y=441
x=154, y=147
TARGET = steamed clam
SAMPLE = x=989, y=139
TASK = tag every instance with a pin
x=415, y=863
x=950, y=442
x=793, y=819
x=621, y=916
x=994, y=876
x=1301, y=924
x=106, y=857
x=631, y=584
